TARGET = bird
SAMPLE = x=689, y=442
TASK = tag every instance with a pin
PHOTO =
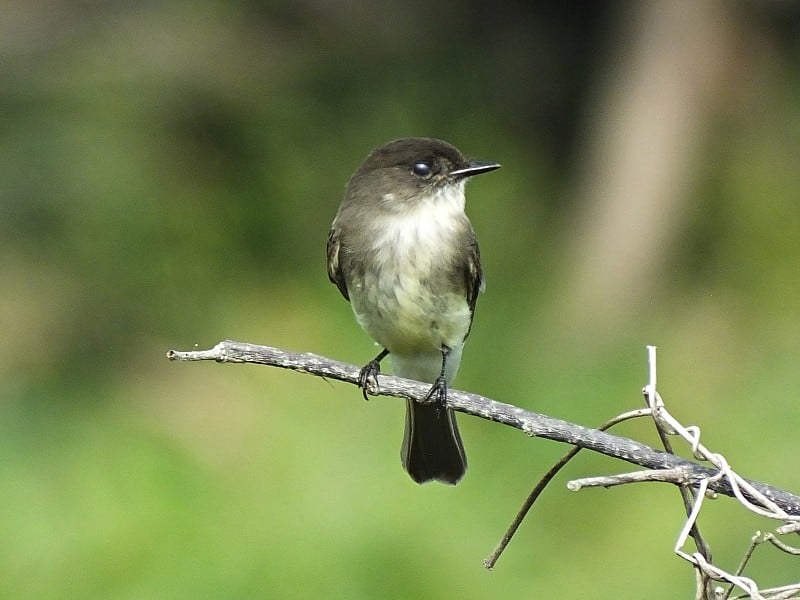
x=402, y=251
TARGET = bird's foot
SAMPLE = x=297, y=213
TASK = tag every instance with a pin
x=368, y=378
x=438, y=393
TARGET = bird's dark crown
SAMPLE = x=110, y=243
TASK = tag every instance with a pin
x=407, y=152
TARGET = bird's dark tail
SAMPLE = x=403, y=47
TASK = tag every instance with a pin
x=432, y=448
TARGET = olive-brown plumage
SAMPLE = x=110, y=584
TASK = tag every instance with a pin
x=403, y=252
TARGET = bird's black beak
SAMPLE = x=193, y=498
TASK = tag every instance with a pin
x=475, y=167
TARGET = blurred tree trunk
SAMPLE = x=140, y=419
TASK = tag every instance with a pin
x=654, y=104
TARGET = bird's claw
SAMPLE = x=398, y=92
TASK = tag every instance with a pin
x=368, y=379
x=437, y=393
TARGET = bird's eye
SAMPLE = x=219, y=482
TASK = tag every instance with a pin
x=421, y=168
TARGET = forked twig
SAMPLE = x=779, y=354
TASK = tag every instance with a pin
x=492, y=559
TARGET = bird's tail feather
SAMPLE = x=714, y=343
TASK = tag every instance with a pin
x=432, y=448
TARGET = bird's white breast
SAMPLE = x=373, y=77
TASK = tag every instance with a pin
x=406, y=301
x=422, y=231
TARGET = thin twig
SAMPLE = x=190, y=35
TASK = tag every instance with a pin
x=676, y=476
x=492, y=559
x=687, y=495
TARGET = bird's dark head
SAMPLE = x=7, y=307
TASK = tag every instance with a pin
x=410, y=170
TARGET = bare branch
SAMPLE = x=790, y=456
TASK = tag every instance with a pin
x=677, y=476
x=533, y=424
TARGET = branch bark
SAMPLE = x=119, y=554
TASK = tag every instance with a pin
x=529, y=422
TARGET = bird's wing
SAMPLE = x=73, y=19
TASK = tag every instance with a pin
x=474, y=274
x=334, y=273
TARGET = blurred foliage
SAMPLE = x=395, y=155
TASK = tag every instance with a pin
x=168, y=175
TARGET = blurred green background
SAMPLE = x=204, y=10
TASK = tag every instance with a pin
x=168, y=176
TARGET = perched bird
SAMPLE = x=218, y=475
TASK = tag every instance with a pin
x=403, y=252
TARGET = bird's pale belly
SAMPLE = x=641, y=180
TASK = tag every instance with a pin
x=410, y=315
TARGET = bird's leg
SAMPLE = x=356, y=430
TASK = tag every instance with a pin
x=438, y=391
x=368, y=376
